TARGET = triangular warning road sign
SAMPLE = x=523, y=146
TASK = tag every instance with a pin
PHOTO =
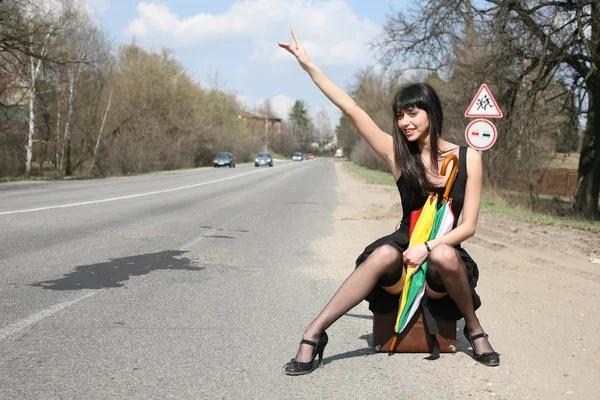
x=483, y=105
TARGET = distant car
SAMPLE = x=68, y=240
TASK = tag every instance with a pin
x=224, y=160
x=297, y=156
x=339, y=153
x=304, y=156
x=263, y=159
x=310, y=156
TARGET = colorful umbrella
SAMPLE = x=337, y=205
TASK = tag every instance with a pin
x=432, y=221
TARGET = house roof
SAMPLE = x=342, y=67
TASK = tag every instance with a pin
x=258, y=115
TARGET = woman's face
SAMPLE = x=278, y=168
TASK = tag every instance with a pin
x=414, y=123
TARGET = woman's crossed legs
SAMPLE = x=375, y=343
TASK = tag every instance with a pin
x=445, y=269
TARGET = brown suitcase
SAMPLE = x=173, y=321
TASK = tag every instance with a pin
x=415, y=338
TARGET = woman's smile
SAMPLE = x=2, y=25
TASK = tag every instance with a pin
x=413, y=122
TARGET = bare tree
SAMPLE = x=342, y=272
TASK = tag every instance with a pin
x=37, y=52
x=139, y=111
x=100, y=132
x=267, y=110
x=568, y=34
x=322, y=126
x=536, y=55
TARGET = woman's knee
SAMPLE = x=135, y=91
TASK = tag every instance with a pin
x=444, y=258
x=385, y=255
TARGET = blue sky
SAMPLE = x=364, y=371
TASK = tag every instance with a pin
x=238, y=40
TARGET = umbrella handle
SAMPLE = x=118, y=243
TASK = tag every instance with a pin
x=453, y=172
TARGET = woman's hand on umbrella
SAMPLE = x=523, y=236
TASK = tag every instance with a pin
x=415, y=256
x=297, y=49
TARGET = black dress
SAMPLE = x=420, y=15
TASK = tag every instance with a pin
x=381, y=301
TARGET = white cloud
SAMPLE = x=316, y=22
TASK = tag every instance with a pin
x=330, y=30
x=96, y=8
x=281, y=105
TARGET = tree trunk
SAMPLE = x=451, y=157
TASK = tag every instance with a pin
x=469, y=26
x=100, y=133
x=68, y=171
x=588, y=183
x=57, y=165
x=31, y=119
x=44, y=143
x=67, y=137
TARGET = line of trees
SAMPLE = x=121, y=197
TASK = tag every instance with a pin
x=72, y=104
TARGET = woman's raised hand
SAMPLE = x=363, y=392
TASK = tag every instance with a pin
x=297, y=49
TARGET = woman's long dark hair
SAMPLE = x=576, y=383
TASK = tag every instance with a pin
x=406, y=153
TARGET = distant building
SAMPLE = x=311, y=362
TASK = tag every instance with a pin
x=14, y=98
x=13, y=91
x=258, y=120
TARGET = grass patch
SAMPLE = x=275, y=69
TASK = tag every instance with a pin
x=494, y=204
x=490, y=203
x=565, y=160
x=371, y=176
x=280, y=156
x=6, y=179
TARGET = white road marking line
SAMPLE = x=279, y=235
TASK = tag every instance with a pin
x=131, y=196
x=32, y=319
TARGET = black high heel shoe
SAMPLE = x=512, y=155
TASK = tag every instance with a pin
x=300, y=368
x=491, y=359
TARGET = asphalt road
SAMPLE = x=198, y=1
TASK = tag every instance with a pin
x=169, y=285
x=191, y=285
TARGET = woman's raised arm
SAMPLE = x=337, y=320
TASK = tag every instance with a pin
x=380, y=141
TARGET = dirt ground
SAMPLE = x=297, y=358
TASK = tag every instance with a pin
x=539, y=283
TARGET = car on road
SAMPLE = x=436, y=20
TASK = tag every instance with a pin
x=310, y=156
x=263, y=159
x=224, y=160
x=297, y=156
x=339, y=153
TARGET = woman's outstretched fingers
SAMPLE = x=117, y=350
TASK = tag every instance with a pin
x=290, y=46
x=297, y=50
x=296, y=40
x=286, y=46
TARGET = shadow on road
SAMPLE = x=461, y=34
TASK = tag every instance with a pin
x=112, y=273
x=367, y=351
x=361, y=316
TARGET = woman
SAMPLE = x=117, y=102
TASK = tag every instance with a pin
x=413, y=154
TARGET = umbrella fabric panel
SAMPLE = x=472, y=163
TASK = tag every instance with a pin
x=420, y=234
x=447, y=220
x=423, y=226
x=414, y=286
x=414, y=217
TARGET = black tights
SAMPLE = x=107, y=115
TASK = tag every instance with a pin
x=446, y=268
x=384, y=261
x=447, y=273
